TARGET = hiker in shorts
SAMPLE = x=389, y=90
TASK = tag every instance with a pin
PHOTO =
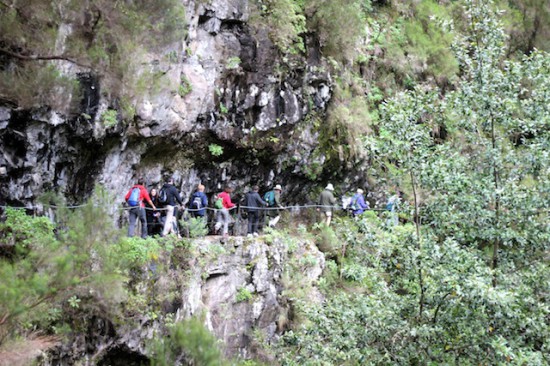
x=172, y=196
x=135, y=197
x=198, y=202
x=327, y=202
x=224, y=204
x=253, y=202
x=273, y=200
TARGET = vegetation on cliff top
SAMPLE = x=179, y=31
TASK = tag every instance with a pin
x=40, y=39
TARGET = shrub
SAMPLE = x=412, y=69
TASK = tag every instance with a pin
x=243, y=294
x=190, y=340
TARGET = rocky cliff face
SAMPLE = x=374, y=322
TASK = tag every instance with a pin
x=233, y=94
x=242, y=290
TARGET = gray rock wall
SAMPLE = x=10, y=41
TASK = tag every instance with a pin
x=239, y=100
x=207, y=285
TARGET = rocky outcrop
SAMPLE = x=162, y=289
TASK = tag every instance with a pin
x=233, y=94
x=241, y=289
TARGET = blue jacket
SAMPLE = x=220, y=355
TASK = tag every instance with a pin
x=204, y=203
x=359, y=203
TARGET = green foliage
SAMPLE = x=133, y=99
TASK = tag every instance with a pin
x=528, y=23
x=24, y=232
x=458, y=284
x=223, y=108
x=243, y=295
x=190, y=339
x=38, y=84
x=326, y=240
x=54, y=269
x=185, y=87
x=136, y=251
x=232, y=63
x=338, y=24
x=108, y=38
x=465, y=319
x=196, y=227
x=286, y=21
x=109, y=118
x=349, y=120
x=427, y=44
x=215, y=150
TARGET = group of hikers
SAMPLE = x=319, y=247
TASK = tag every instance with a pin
x=156, y=210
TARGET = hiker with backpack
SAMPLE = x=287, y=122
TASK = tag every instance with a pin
x=273, y=200
x=223, y=204
x=198, y=202
x=393, y=206
x=253, y=202
x=168, y=196
x=135, y=197
x=358, y=204
x=326, y=202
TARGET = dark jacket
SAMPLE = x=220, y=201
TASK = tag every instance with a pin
x=152, y=215
x=253, y=201
x=327, y=200
x=172, y=195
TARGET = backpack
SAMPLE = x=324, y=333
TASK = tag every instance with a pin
x=353, y=205
x=269, y=198
x=218, y=203
x=163, y=195
x=196, y=203
x=134, y=200
x=391, y=205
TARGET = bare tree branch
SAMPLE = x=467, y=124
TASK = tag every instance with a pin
x=43, y=58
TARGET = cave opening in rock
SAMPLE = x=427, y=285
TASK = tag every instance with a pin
x=122, y=356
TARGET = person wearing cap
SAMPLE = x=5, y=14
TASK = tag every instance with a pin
x=327, y=202
x=358, y=204
x=274, y=205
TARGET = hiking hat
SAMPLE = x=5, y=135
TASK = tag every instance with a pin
x=329, y=187
x=360, y=191
x=278, y=187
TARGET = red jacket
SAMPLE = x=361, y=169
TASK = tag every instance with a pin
x=226, y=200
x=143, y=195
